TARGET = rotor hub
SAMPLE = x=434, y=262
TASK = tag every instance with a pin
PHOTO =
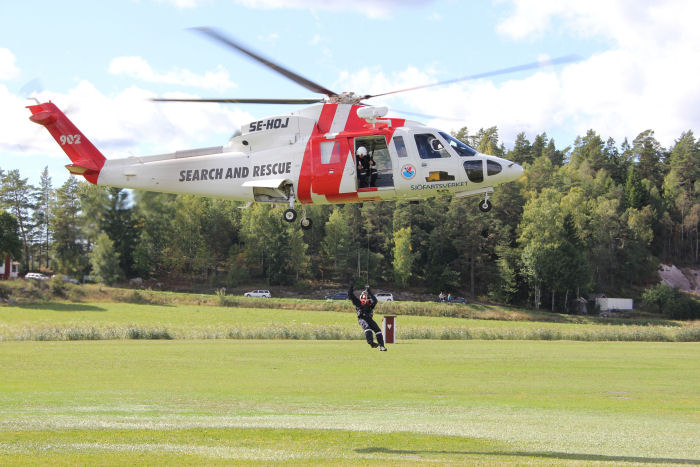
x=345, y=98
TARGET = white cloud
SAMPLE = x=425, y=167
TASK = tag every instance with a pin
x=8, y=69
x=647, y=79
x=185, y=4
x=124, y=124
x=370, y=8
x=374, y=81
x=628, y=23
x=270, y=38
x=138, y=68
x=317, y=39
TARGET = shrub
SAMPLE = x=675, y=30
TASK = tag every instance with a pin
x=57, y=287
x=4, y=292
x=671, y=302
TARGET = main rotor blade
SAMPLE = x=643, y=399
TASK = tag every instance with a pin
x=244, y=101
x=308, y=84
x=430, y=116
x=503, y=71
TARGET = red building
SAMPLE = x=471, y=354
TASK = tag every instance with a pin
x=9, y=269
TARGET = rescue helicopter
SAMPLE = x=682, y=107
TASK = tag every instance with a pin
x=314, y=155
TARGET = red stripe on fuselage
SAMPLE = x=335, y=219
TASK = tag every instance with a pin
x=312, y=171
x=306, y=173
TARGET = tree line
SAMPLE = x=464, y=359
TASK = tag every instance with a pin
x=592, y=217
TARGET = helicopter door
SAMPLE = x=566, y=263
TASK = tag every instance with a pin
x=382, y=170
x=434, y=164
x=333, y=169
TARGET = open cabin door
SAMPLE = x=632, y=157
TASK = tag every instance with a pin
x=382, y=176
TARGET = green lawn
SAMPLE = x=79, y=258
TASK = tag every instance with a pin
x=338, y=402
x=105, y=320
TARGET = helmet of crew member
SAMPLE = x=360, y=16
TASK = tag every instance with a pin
x=361, y=151
x=363, y=298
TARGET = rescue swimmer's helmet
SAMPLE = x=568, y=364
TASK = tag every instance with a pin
x=364, y=298
x=361, y=151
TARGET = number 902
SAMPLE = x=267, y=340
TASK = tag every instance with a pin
x=69, y=139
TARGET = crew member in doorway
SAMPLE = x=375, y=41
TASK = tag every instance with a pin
x=366, y=173
x=364, y=306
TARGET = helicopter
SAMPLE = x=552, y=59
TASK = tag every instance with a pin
x=337, y=150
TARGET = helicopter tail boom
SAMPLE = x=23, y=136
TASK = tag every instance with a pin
x=87, y=159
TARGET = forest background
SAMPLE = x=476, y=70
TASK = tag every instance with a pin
x=596, y=216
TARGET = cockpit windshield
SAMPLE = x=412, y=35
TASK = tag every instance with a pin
x=461, y=148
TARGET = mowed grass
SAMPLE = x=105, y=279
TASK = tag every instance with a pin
x=108, y=320
x=200, y=402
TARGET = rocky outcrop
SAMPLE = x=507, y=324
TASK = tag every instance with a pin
x=685, y=279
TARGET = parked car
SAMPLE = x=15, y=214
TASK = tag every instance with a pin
x=459, y=300
x=36, y=276
x=337, y=296
x=384, y=297
x=66, y=278
x=258, y=293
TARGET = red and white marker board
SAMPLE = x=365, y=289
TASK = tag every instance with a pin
x=389, y=329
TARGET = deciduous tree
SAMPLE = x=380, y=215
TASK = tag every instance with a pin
x=104, y=260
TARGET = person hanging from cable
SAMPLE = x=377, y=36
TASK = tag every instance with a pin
x=364, y=306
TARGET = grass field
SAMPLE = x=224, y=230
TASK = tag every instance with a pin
x=106, y=320
x=338, y=402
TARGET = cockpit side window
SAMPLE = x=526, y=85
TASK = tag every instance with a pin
x=493, y=168
x=475, y=170
x=460, y=148
x=400, y=146
x=429, y=147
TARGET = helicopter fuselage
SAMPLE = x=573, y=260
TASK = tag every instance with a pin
x=307, y=156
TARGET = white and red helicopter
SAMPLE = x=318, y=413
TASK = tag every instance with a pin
x=308, y=155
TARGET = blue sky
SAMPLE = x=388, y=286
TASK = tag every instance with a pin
x=101, y=61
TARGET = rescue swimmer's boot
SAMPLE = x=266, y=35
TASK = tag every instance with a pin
x=370, y=338
x=380, y=339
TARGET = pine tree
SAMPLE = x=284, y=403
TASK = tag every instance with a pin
x=118, y=223
x=42, y=215
x=522, y=150
x=68, y=247
x=10, y=243
x=635, y=194
x=649, y=155
x=16, y=195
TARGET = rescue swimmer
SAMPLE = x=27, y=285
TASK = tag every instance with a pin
x=364, y=307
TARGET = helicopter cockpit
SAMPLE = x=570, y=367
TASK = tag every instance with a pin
x=462, y=149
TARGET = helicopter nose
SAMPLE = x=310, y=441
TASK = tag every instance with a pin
x=515, y=171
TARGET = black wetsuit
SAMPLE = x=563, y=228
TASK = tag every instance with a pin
x=366, y=173
x=364, y=317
